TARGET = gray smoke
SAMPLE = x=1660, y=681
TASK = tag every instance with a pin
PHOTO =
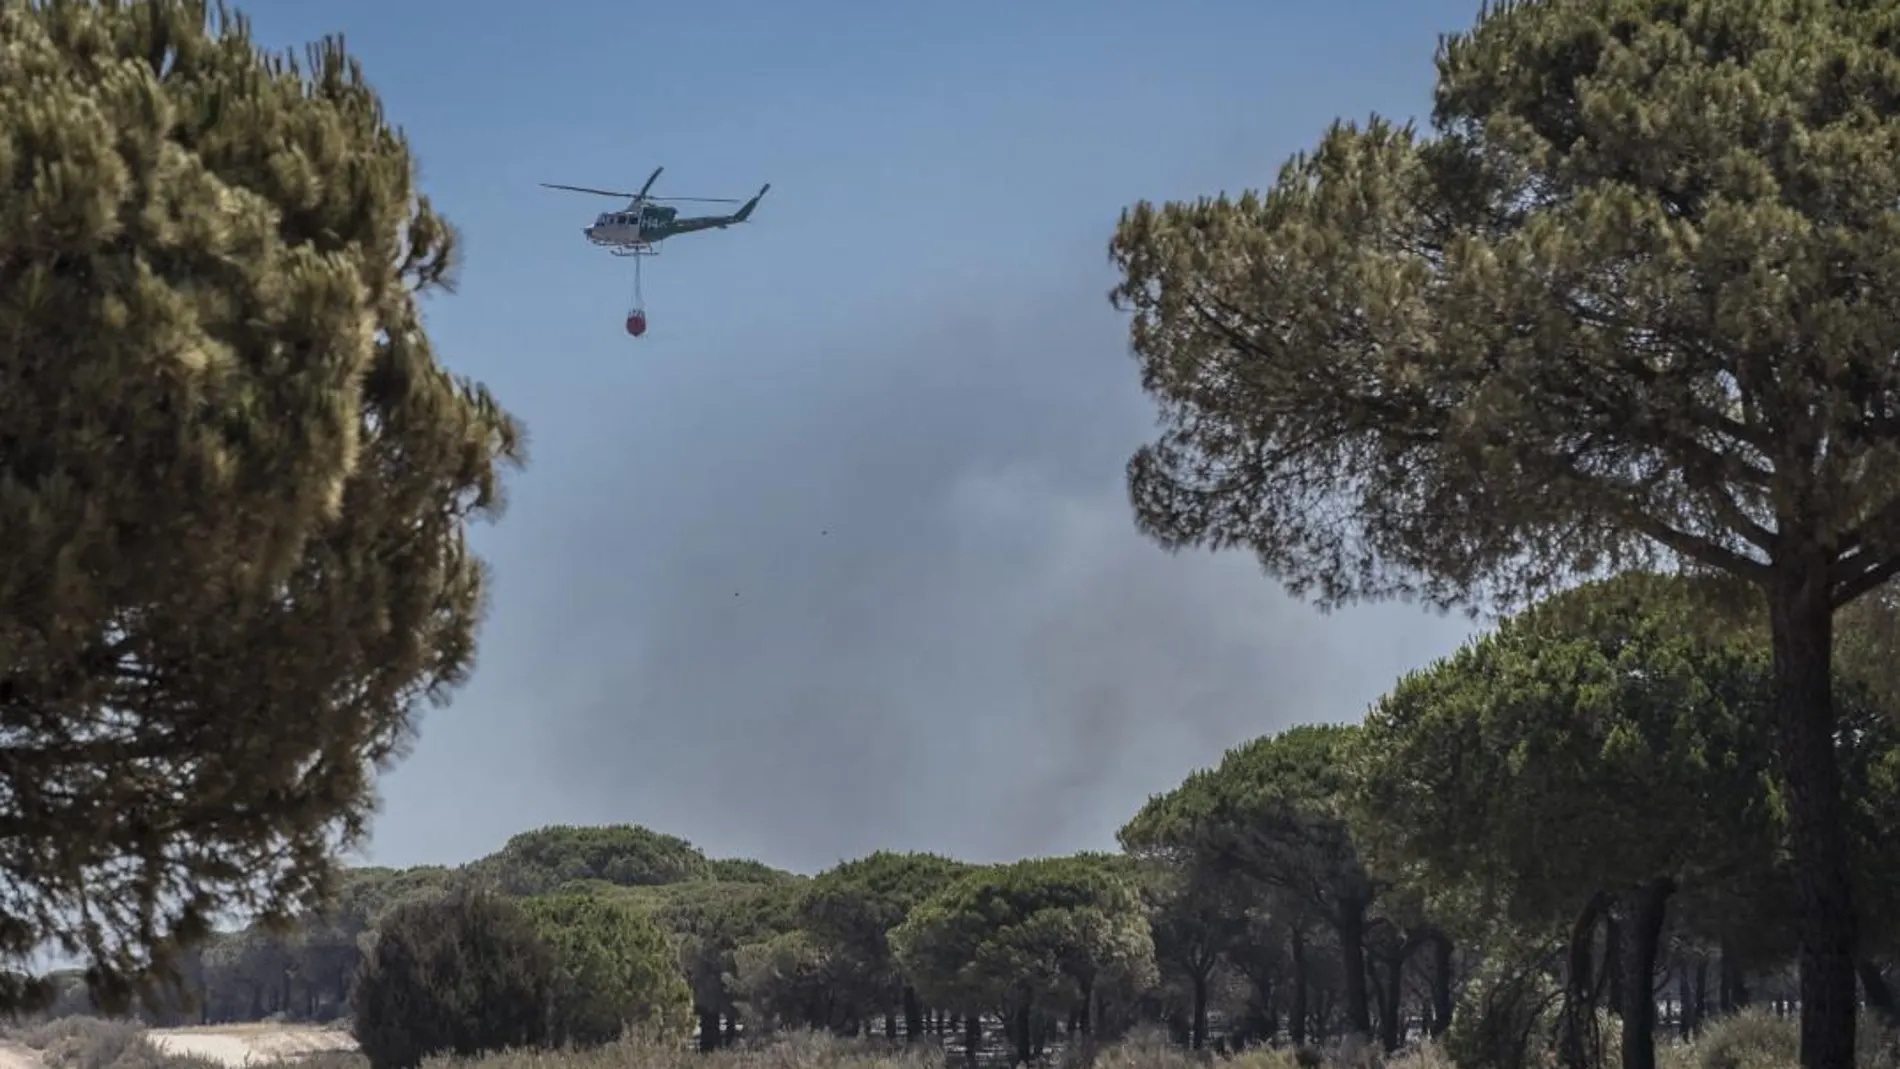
x=888, y=594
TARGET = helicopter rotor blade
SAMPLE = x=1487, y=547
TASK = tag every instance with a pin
x=642, y=196
x=596, y=192
x=652, y=178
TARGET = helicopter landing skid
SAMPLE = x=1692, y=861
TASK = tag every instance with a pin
x=626, y=251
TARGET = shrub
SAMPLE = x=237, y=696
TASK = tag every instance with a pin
x=95, y=1043
x=615, y=967
x=83, y=1042
x=798, y=1050
x=463, y=975
x=1754, y=1038
x=1502, y=1015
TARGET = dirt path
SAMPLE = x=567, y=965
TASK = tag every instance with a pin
x=242, y=1045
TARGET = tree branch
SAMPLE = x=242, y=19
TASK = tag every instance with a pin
x=1873, y=575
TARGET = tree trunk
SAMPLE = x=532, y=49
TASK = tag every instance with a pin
x=1200, y=1011
x=913, y=1016
x=890, y=1026
x=1639, y=983
x=1732, y=981
x=1579, y=1012
x=1685, y=998
x=1296, y=1011
x=1269, y=1014
x=1701, y=991
x=1392, y=1005
x=972, y=1037
x=1725, y=980
x=708, y=1030
x=1879, y=993
x=1352, y=953
x=1180, y=1028
x=1441, y=984
x=1024, y=1050
x=1094, y=1028
x=1613, y=959
x=1801, y=622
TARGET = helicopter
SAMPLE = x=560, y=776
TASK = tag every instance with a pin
x=637, y=230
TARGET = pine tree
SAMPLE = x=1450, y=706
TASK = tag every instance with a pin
x=1630, y=302
x=461, y=975
x=234, y=480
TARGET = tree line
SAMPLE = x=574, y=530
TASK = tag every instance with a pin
x=1522, y=849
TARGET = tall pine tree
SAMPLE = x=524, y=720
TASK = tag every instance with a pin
x=234, y=480
x=1632, y=301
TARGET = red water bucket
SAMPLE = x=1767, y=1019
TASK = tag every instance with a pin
x=636, y=323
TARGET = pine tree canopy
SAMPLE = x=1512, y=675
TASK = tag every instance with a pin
x=234, y=481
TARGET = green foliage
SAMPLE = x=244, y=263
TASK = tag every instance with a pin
x=462, y=975
x=711, y=921
x=1867, y=646
x=1867, y=699
x=1756, y=1038
x=1271, y=817
x=1629, y=303
x=371, y=892
x=791, y=979
x=1199, y=916
x=1870, y=769
x=1023, y=934
x=1270, y=813
x=234, y=482
x=1594, y=743
x=851, y=910
x=615, y=968
x=879, y=889
x=539, y=861
x=1751, y=1039
x=746, y=870
x=1505, y=1013
x=1615, y=303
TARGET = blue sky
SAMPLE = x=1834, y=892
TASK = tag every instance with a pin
x=837, y=557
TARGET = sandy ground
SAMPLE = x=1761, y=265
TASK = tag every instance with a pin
x=15, y=1056
x=239, y=1045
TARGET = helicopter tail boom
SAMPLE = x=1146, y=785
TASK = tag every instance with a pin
x=745, y=210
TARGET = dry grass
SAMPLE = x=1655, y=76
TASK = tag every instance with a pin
x=91, y=1043
x=1147, y=1050
x=1757, y=1039
x=1751, y=1040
